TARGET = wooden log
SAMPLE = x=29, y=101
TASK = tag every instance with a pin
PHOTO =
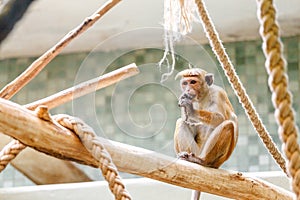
x=50, y=138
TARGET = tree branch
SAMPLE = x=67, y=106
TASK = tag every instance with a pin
x=34, y=69
x=51, y=138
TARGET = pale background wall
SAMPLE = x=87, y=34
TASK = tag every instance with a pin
x=141, y=112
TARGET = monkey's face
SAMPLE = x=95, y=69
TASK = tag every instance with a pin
x=194, y=87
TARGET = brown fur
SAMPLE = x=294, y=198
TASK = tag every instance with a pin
x=211, y=143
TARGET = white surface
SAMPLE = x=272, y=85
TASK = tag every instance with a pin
x=141, y=188
x=47, y=21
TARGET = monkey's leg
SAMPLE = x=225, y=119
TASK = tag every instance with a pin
x=184, y=138
x=216, y=149
x=219, y=145
x=184, y=141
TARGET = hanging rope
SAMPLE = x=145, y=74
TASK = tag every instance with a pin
x=278, y=84
x=236, y=84
x=177, y=17
x=89, y=140
x=9, y=152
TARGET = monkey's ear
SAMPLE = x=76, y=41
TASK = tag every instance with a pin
x=209, y=78
x=179, y=74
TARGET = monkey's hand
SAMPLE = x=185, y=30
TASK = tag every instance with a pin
x=185, y=100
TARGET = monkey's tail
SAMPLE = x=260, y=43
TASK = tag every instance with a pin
x=196, y=195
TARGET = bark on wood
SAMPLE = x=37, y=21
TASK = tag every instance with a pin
x=52, y=139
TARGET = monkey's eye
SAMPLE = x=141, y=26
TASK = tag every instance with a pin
x=184, y=83
x=193, y=82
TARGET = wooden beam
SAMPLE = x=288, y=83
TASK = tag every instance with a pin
x=51, y=138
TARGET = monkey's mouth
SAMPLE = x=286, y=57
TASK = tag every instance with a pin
x=185, y=99
x=189, y=96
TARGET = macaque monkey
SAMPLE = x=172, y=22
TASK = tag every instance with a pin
x=207, y=131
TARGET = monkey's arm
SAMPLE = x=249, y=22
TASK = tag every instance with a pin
x=184, y=138
x=206, y=116
x=176, y=137
x=211, y=118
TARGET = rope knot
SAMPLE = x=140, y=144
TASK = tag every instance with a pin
x=93, y=145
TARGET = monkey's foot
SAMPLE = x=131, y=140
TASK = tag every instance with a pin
x=190, y=157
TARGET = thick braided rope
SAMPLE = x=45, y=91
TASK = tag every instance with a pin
x=278, y=83
x=236, y=84
x=9, y=152
x=89, y=140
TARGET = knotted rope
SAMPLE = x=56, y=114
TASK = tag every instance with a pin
x=89, y=140
x=278, y=83
x=236, y=84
